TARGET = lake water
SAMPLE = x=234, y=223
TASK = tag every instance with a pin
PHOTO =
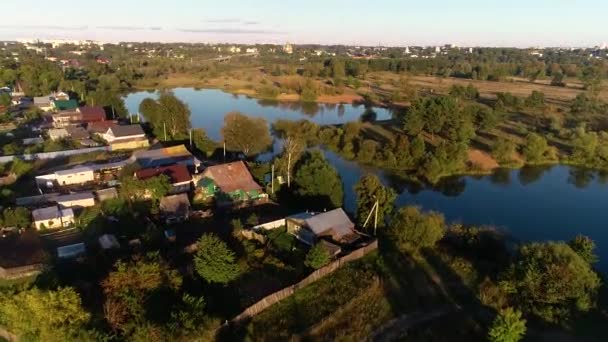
x=554, y=203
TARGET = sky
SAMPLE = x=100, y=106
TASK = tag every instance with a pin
x=519, y=23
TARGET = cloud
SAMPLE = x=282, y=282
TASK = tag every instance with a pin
x=46, y=27
x=251, y=22
x=230, y=31
x=223, y=21
x=130, y=28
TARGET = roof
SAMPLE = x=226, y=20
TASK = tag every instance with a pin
x=177, y=173
x=164, y=156
x=41, y=100
x=175, y=204
x=100, y=126
x=105, y=194
x=70, y=251
x=75, y=197
x=126, y=130
x=92, y=113
x=77, y=133
x=50, y=213
x=65, y=104
x=73, y=171
x=58, y=132
x=335, y=223
x=232, y=177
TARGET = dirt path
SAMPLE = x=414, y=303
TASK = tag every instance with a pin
x=397, y=326
x=482, y=159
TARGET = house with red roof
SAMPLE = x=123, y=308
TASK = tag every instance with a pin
x=92, y=114
x=229, y=184
x=178, y=174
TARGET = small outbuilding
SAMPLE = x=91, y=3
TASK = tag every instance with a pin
x=175, y=208
x=71, y=251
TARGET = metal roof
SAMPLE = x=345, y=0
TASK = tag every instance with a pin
x=335, y=221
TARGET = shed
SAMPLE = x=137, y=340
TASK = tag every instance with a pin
x=175, y=208
x=80, y=199
x=334, y=224
x=71, y=251
x=106, y=194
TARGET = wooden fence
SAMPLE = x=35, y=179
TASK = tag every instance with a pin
x=276, y=297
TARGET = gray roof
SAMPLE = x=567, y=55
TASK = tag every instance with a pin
x=105, y=194
x=41, y=100
x=51, y=213
x=70, y=251
x=126, y=130
x=73, y=171
x=336, y=220
x=75, y=197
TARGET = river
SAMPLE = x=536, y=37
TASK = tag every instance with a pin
x=533, y=204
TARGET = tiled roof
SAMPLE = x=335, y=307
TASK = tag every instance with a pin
x=232, y=177
x=176, y=173
x=126, y=130
x=92, y=113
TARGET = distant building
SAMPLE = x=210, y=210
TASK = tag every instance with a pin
x=251, y=50
x=65, y=104
x=288, y=48
x=52, y=217
x=45, y=103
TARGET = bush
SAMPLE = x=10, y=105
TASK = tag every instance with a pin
x=412, y=229
x=214, y=261
x=317, y=257
x=508, y=326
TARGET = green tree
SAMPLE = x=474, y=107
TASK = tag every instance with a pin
x=20, y=167
x=5, y=99
x=154, y=188
x=214, y=261
x=504, y=150
x=508, y=326
x=317, y=257
x=202, y=142
x=318, y=182
x=591, y=76
x=535, y=148
x=412, y=229
x=18, y=217
x=369, y=190
x=552, y=282
x=536, y=100
x=246, y=134
x=110, y=100
x=585, y=248
x=28, y=314
x=417, y=148
x=169, y=114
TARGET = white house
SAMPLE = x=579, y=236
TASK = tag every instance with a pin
x=52, y=217
x=79, y=175
x=45, y=103
x=125, y=132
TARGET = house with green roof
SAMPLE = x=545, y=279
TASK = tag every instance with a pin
x=65, y=104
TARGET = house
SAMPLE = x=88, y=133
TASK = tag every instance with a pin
x=71, y=251
x=92, y=114
x=79, y=175
x=121, y=137
x=334, y=225
x=175, y=208
x=66, y=118
x=108, y=241
x=58, y=134
x=100, y=127
x=229, y=184
x=61, y=96
x=165, y=156
x=65, y=104
x=45, y=103
x=178, y=175
x=78, y=133
x=52, y=217
x=76, y=200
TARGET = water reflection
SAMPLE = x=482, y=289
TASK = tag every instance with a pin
x=530, y=174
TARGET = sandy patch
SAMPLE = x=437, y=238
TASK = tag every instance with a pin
x=482, y=159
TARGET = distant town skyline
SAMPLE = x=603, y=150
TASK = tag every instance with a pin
x=515, y=23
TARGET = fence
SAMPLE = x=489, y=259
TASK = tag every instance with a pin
x=51, y=155
x=20, y=272
x=276, y=297
x=270, y=225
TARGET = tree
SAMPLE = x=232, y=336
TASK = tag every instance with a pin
x=592, y=79
x=412, y=229
x=28, y=314
x=214, y=261
x=20, y=167
x=558, y=80
x=551, y=281
x=317, y=257
x=110, y=100
x=585, y=248
x=5, y=99
x=503, y=150
x=369, y=191
x=535, y=148
x=292, y=151
x=169, y=114
x=202, y=142
x=18, y=217
x=246, y=134
x=536, y=100
x=154, y=188
x=318, y=182
x=508, y=326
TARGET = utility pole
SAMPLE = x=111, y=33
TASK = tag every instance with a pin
x=224, y=151
x=376, y=217
x=374, y=212
x=288, y=170
x=113, y=113
x=190, y=131
x=165, y=130
x=272, y=179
